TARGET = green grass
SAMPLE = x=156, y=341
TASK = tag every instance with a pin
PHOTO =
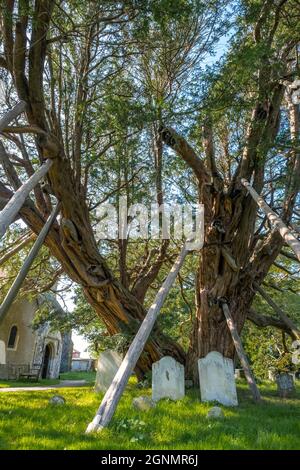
x=27, y=383
x=28, y=421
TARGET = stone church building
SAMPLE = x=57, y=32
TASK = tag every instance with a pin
x=23, y=349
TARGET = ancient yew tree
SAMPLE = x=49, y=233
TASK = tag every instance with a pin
x=117, y=96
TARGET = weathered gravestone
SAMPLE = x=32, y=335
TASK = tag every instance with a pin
x=217, y=383
x=167, y=379
x=239, y=374
x=285, y=385
x=107, y=367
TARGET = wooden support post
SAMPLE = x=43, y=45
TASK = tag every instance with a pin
x=13, y=291
x=12, y=114
x=274, y=219
x=8, y=214
x=289, y=323
x=241, y=353
x=114, y=392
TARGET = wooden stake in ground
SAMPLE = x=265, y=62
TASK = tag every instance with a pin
x=274, y=219
x=8, y=214
x=289, y=323
x=12, y=114
x=241, y=353
x=114, y=393
x=13, y=291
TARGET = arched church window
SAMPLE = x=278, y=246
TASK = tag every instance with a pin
x=12, y=340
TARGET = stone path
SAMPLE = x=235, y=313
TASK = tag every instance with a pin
x=61, y=384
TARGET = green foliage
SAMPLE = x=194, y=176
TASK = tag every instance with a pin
x=175, y=317
x=89, y=376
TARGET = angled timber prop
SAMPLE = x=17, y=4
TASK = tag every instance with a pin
x=11, y=209
x=241, y=353
x=17, y=284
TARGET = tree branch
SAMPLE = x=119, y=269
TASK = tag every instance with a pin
x=289, y=323
x=275, y=220
x=209, y=149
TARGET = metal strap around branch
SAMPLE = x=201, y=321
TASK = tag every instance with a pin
x=13, y=291
x=8, y=214
x=12, y=114
x=274, y=219
x=241, y=353
x=114, y=392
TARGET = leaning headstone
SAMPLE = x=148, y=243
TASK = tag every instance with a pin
x=143, y=403
x=217, y=383
x=215, y=413
x=167, y=379
x=285, y=385
x=108, y=364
